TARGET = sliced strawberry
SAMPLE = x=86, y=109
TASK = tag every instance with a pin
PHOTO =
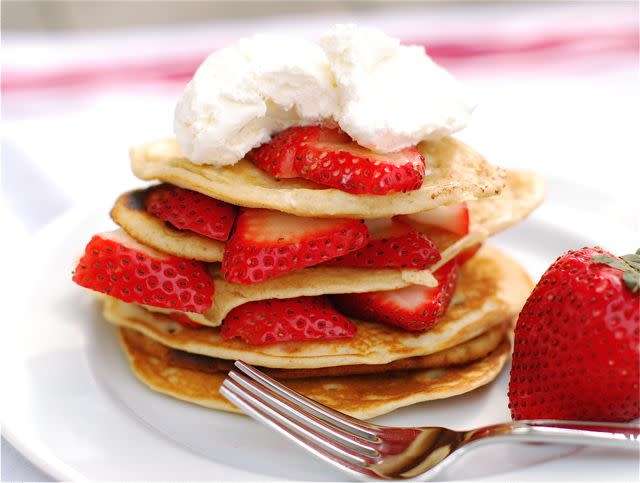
x=117, y=265
x=467, y=254
x=190, y=210
x=267, y=243
x=282, y=320
x=453, y=218
x=413, y=308
x=276, y=157
x=330, y=157
x=392, y=244
x=184, y=320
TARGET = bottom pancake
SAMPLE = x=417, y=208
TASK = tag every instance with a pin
x=460, y=354
x=363, y=396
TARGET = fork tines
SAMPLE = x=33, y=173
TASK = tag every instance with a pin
x=341, y=440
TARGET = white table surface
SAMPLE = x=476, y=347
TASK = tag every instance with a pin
x=60, y=149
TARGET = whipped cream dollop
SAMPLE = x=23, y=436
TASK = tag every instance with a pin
x=386, y=96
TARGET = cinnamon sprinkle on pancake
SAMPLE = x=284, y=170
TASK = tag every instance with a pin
x=455, y=173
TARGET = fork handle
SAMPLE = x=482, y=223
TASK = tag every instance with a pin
x=612, y=435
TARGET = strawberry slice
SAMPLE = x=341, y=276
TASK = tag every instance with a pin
x=267, y=243
x=453, y=218
x=328, y=156
x=467, y=254
x=416, y=307
x=282, y=320
x=117, y=265
x=190, y=210
x=392, y=244
x=276, y=157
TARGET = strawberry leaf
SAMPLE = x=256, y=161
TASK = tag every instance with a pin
x=611, y=261
x=628, y=264
x=632, y=280
x=633, y=260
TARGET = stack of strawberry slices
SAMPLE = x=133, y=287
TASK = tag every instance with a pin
x=320, y=261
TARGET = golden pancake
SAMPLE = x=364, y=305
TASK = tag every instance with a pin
x=460, y=354
x=455, y=172
x=524, y=191
x=310, y=282
x=129, y=212
x=521, y=195
x=362, y=396
x=306, y=282
x=491, y=288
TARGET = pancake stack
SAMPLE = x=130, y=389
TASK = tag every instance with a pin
x=381, y=366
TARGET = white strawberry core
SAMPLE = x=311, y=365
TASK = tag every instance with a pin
x=385, y=228
x=409, y=297
x=267, y=226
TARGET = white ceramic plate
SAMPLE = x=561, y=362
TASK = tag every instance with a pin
x=71, y=405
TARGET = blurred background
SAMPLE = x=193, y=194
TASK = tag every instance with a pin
x=556, y=82
x=556, y=85
x=81, y=15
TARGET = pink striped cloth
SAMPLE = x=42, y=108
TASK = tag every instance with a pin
x=572, y=50
x=581, y=40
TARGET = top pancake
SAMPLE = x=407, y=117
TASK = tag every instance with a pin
x=455, y=172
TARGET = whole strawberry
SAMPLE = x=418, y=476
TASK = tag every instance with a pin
x=577, y=341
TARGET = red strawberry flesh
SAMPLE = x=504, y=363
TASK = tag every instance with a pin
x=190, y=210
x=328, y=156
x=415, y=308
x=467, y=254
x=277, y=156
x=577, y=344
x=392, y=244
x=268, y=243
x=285, y=320
x=119, y=266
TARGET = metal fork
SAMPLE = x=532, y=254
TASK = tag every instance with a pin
x=367, y=450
